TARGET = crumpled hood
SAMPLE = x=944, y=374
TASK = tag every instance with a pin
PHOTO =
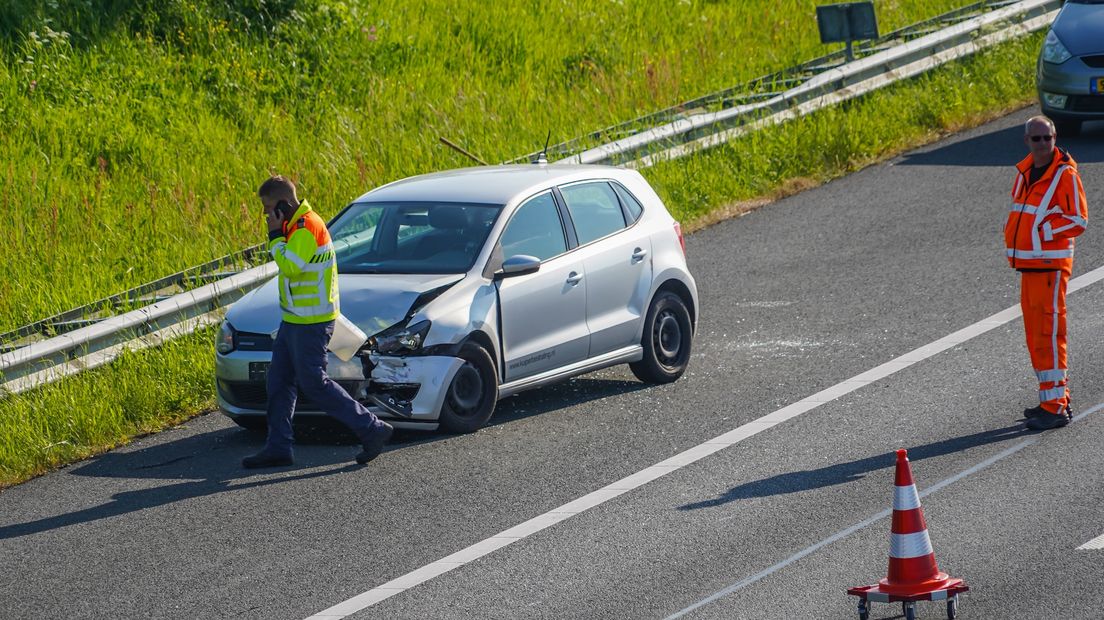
x=373, y=302
x=1079, y=27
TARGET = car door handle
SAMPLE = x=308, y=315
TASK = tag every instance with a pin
x=639, y=254
x=574, y=278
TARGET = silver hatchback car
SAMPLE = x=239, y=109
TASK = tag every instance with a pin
x=478, y=283
x=1070, y=71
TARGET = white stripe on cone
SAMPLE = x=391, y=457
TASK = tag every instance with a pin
x=905, y=498
x=905, y=546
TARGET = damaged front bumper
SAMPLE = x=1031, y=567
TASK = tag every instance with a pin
x=413, y=387
x=408, y=391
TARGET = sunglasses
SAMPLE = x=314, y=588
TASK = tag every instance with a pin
x=1047, y=138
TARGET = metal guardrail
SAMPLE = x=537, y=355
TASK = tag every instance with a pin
x=86, y=341
x=45, y=361
x=785, y=90
x=152, y=292
x=762, y=88
x=864, y=75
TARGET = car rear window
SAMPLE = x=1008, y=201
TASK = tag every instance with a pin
x=594, y=210
x=631, y=203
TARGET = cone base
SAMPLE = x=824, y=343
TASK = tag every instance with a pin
x=937, y=581
x=878, y=593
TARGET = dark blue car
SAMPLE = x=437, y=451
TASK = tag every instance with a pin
x=1070, y=71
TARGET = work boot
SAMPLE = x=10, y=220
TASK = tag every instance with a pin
x=267, y=458
x=1031, y=412
x=1047, y=420
x=1037, y=410
x=373, y=443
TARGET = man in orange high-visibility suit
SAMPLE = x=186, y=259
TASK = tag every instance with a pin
x=1048, y=212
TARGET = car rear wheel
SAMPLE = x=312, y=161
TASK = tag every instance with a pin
x=471, y=396
x=666, y=340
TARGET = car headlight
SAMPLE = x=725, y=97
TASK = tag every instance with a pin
x=406, y=339
x=224, y=341
x=1054, y=51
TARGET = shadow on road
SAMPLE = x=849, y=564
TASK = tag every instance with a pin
x=1005, y=148
x=805, y=480
x=209, y=463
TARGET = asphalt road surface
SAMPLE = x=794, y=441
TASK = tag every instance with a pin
x=571, y=506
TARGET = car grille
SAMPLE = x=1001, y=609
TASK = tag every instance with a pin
x=248, y=341
x=1087, y=103
x=1096, y=62
x=253, y=395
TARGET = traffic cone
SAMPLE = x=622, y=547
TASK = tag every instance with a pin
x=912, y=567
x=913, y=574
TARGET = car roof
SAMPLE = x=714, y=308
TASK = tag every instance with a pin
x=485, y=184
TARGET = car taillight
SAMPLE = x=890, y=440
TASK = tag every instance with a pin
x=682, y=242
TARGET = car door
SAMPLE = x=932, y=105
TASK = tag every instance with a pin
x=543, y=313
x=616, y=257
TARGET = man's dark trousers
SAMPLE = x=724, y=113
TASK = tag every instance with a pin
x=299, y=363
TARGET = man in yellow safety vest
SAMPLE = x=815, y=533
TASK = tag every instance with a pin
x=300, y=244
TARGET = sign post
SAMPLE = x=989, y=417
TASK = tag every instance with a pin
x=847, y=22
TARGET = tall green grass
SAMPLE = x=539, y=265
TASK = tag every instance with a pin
x=146, y=391
x=111, y=198
x=88, y=413
x=134, y=133
x=846, y=137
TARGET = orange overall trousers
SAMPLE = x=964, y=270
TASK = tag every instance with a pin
x=1043, y=300
x=1046, y=217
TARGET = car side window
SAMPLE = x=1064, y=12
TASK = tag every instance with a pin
x=594, y=210
x=631, y=203
x=535, y=230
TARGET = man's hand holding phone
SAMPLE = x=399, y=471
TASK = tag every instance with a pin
x=274, y=218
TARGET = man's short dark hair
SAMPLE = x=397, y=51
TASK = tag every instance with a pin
x=277, y=187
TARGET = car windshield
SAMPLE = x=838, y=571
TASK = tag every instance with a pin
x=411, y=237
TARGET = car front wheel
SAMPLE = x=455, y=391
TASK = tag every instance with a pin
x=472, y=394
x=1067, y=128
x=666, y=340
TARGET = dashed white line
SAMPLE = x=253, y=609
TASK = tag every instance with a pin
x=603, y=495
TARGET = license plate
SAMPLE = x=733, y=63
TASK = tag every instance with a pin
x=258, y=371
x=1097, y=86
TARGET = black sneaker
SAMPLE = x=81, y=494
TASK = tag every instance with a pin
x=265, y=458
x=1048, y=421
x=373, y=445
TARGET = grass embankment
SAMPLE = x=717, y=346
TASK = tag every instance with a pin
x=796, y=155
x=135, y=133
x=193, y=146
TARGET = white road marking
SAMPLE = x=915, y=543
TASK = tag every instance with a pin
x=881, y=515
x=603, y=495
x=1096, y=543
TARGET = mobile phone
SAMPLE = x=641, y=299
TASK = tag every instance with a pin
x=283, y=210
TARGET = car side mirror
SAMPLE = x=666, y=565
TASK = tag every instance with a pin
x=519, y=265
